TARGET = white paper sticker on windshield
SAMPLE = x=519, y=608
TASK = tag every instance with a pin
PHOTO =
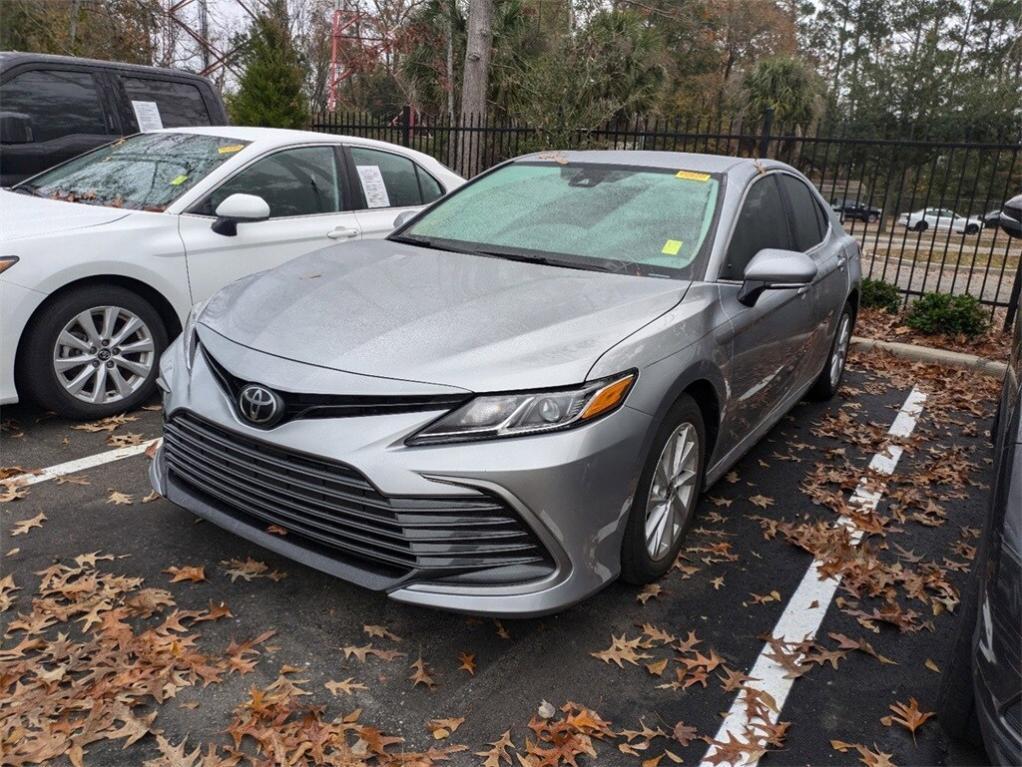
x=147, y=115
x=373, y=186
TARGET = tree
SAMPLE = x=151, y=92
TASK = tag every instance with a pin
x=784, y=84
x=475, y=78
x=270, y=91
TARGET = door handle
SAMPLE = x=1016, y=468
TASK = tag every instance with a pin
x=841, y=263
x=342, y=233
x=801, y=292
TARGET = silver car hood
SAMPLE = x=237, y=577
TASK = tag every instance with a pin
x=392, y=310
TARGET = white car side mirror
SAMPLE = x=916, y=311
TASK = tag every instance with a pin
x=404, y=217
x=239, y=209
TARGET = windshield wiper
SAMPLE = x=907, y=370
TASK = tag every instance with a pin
x=441, y=244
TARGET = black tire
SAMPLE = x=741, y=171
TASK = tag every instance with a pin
x=872, y=218
x=921, y=226
x=956, y=701
x=826, y=386
x=972, y=229
x=637, y=564
x=37, y=377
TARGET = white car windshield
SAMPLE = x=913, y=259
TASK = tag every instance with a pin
x=637, y=220
x=143, y=172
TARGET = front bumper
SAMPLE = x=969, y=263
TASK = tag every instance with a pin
x=570, y=490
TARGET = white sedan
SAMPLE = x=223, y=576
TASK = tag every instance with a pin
x=102, y=257
x=941, y=218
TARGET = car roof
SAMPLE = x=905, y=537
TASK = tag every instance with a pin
x=707, y=163
x=270, y=138
x=10, y=59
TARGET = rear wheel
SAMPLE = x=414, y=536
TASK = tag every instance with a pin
x=668, y=492
x=972, y=229
x=920, y=226
x=829, y=382
x=93, y=352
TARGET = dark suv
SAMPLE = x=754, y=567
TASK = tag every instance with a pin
x=55, y=107
x=981, y=694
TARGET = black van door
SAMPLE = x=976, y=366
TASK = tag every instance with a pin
x=69, y=112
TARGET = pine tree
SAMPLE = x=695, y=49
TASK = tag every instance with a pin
x=270, y=92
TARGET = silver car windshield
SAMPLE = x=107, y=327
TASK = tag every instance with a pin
x=631, y=219
x=143, y=172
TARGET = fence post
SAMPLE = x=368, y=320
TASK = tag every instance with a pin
x=764, y=138
x=1016, y=290
x=406, y=125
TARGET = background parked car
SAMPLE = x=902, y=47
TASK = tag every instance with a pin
x=981, y=695
x=941, y=218
x=991, y=218
x=53, y=108
x=855, y=209
x=103, y=256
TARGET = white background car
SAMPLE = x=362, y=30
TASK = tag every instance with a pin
x=102, y=257
x=941, y=218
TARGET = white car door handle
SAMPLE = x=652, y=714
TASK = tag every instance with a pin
x=342, y=233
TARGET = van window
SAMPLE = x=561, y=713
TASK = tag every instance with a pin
x=180, y=104
x=58, y=102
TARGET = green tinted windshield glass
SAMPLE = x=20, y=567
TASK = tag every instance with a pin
x=641, y=220
x=144, y=172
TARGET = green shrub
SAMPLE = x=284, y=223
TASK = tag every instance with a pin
x=877, y=294
x=953, y=315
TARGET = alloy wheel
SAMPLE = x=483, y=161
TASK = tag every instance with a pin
x=672, y=491
x=837, y=360
x=104, y=354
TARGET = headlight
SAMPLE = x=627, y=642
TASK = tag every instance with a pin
x=518, y=414
x=188, y=336
x=6, y=262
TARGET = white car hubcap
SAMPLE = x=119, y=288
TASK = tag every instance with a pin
x=672, y=491
x=104, y=354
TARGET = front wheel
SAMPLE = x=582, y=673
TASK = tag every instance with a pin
x=93, y=352
x=667, y=495
x=920, y=226
x=829, y=382
x=972, y=229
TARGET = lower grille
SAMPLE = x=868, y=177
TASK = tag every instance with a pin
x=334, y=509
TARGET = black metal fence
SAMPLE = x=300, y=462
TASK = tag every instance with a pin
x=877, y=181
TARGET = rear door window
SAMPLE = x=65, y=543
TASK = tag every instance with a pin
x=392, y=181
x=58, y=102
x=179, y=104
x=805, y=221
x=761, y=224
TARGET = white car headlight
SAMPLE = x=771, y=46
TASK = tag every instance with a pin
x=535, y=412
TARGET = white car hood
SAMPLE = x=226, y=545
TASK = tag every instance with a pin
x=22, y=216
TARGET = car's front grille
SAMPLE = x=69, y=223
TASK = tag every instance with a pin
x=300, y=405
x=334, y=509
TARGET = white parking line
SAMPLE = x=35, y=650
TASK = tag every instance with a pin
x=804, y=613
x=80, y=464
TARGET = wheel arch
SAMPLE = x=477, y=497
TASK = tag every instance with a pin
x=705, y=383
x=160, y=303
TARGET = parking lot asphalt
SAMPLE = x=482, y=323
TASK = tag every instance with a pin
x=745, y=558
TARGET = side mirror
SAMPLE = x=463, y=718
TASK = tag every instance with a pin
x=1010, y=219
x=775, y=269
x=239, y=209
x=15, y=128
x=404, y=217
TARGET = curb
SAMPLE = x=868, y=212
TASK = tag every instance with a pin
x=915, y=353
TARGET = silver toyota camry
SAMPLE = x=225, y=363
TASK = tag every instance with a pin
x=520, y=394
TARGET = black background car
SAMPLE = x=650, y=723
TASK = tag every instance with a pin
x=981, y=693
x=53, y=108
x=855, y=209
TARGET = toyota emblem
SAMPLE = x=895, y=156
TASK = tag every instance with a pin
x=260, y=405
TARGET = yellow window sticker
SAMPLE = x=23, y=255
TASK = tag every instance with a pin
x=231, y=148
x=178, y=180
x=671, y=248
x=690, y=175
